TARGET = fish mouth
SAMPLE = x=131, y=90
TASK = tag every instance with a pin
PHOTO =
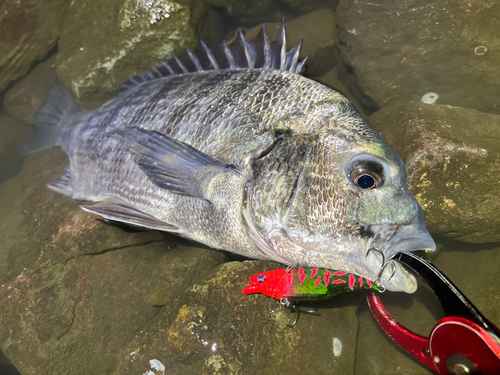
x=391, y=275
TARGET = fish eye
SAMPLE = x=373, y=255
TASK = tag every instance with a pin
x=261, y=278
x=367, y=176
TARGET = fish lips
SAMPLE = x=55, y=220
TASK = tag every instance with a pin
x=391, y=275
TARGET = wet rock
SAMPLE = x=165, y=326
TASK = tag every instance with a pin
x=179, y=268
x=306, y=6
x=72, y=287
x=26, y=96
x=453, y=159
x=28, y=31
x=98, y=52
x=13, y=134
x=399, y=51
x=241, y=8
x=214, y=328
x=319, y=31
x=474, y=270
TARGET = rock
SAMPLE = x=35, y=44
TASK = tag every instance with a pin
x=241, y=8
x=399, y=51
x=178, y=268
x=474, y=270
x=28, y=31
x=26, y=96
x=13, y=134
x=214, y=328
x=319, y=31
x=94, y=60
x=306, y=6
x=453, y=159
x=72, y=287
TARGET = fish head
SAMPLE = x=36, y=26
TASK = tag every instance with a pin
x=347, y=205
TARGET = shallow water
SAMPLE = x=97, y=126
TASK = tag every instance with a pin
x=471, y=266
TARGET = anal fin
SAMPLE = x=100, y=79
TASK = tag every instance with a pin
x=62, y=185
x=117, y=210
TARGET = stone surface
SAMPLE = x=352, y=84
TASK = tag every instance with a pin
x=311, y=5
x=97, y=52
x=453, y=159
x=214, y=328
x=241, y=8
x=72, y=287
x=399, y=51
x=13, y=134
x=319, y=31
x=28, y=31
x=26, y=96
x=184, y=265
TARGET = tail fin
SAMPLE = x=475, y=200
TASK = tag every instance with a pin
x=51, y=119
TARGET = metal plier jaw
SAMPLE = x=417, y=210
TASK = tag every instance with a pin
x=464, y=342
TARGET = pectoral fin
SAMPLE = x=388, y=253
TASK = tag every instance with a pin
x=117, y=210
x=169, y=163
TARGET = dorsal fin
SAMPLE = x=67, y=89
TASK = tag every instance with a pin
x=258, y=53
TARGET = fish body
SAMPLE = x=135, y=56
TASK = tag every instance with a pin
x=234, y=149
x=308, y=284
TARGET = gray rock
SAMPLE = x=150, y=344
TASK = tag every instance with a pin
x=319, y=31
x=453, y=159
x=28, y=31
x=94, y=61
x=214, y=328
x=71, y=286
x=400, y=51
x=180, y=268
x=26, y=96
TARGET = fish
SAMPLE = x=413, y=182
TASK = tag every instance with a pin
x=307, y=284
x=232, y=147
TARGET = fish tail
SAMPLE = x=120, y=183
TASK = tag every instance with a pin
x=51, y=120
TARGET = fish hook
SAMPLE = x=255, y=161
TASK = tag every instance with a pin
x=382, y=269
x=378, y=251
x=293, y=307
x=379, y=276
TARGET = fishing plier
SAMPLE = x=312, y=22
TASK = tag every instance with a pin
x=464, y=342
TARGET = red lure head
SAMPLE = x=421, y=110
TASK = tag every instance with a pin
x=274, y=284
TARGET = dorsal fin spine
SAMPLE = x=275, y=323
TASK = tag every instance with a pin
x=210, y=55
x=229, y=55
x=179, y=62
x=246, y=48
x=260, y=53
x=267, y=48
x=194, y=59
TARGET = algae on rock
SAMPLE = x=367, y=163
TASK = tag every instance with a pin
x=98, y=52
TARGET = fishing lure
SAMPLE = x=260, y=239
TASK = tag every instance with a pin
x=307, y=284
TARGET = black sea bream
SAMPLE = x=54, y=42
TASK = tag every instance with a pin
x=233, y=148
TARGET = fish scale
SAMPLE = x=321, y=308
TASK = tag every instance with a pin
x=230, y=146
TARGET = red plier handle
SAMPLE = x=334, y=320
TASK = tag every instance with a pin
x=464, y=342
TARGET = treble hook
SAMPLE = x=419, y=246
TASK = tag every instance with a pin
x=382, y=269
x=293, y=307
x=391, y=262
